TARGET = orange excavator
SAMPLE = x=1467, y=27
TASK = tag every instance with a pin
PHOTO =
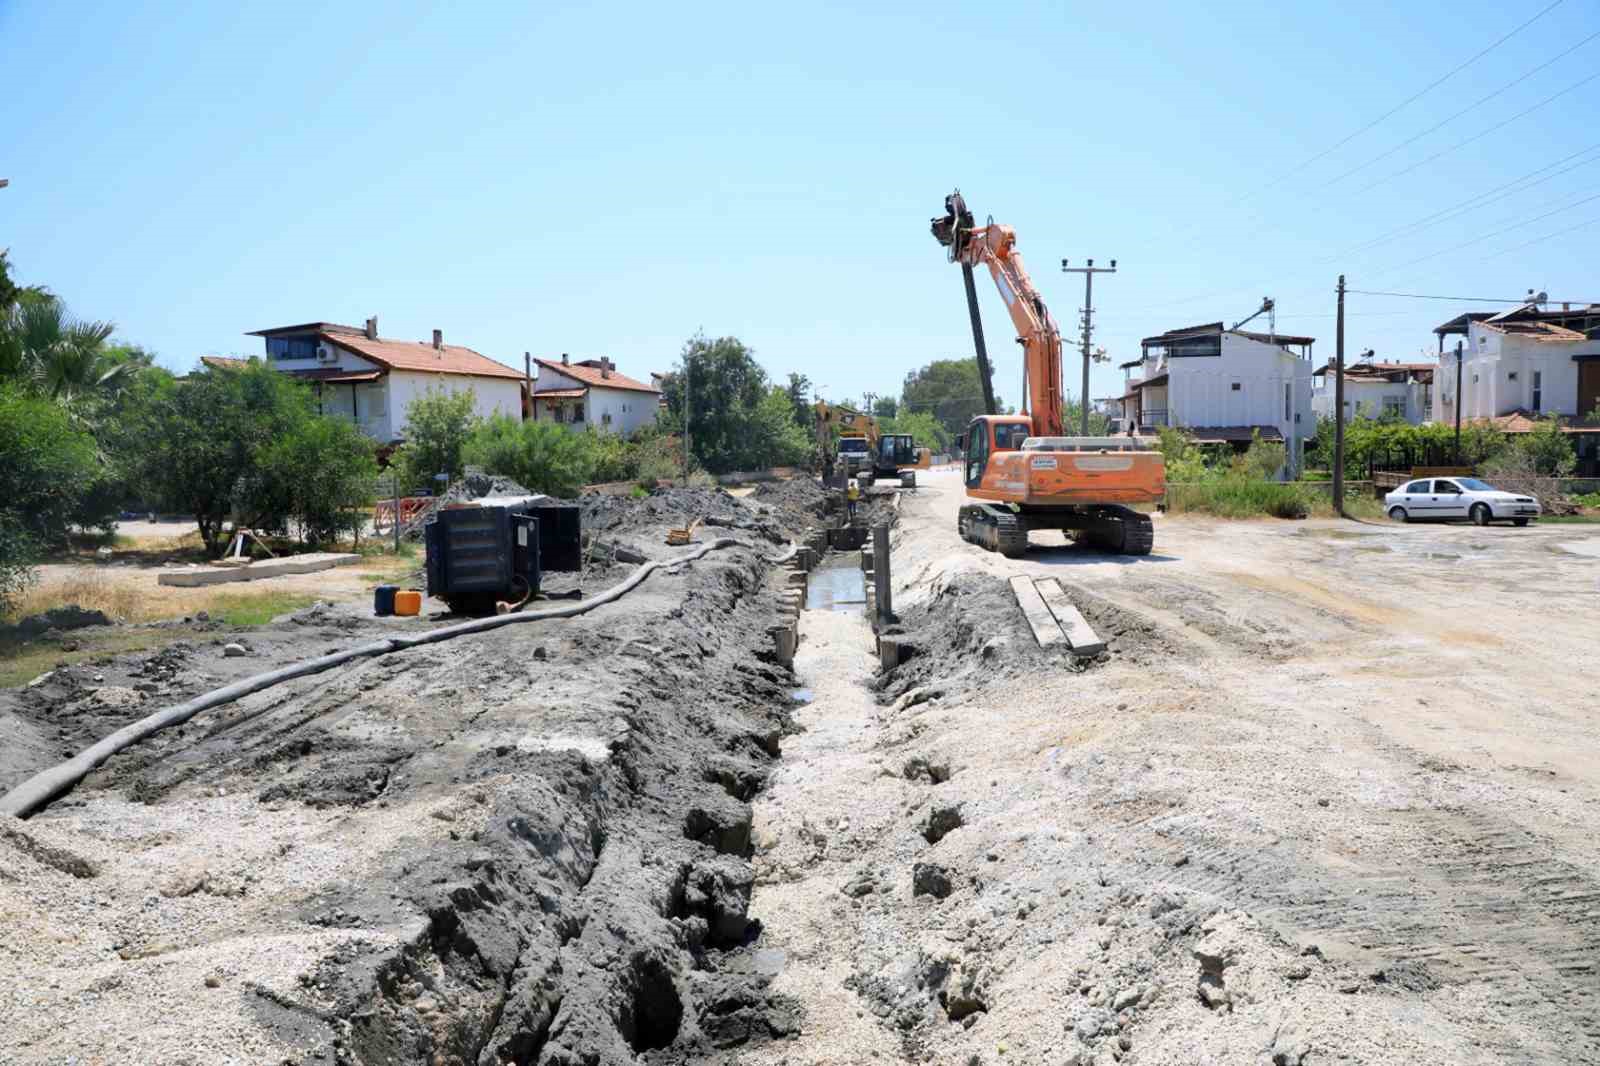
x=1022, y=472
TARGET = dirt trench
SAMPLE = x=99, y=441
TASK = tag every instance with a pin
x=531, y=846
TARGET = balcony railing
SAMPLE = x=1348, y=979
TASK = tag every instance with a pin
x=1153, y=416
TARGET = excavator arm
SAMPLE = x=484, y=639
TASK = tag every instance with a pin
x=995, y=247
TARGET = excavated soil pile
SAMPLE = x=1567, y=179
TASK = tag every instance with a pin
x=474, y=486
x=971, y=630
x=646, y=520
x=797, y=502
x=525, y=846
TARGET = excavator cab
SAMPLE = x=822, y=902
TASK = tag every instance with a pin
x=989, y=434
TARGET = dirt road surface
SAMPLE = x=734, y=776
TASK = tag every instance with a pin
x=1329, y=797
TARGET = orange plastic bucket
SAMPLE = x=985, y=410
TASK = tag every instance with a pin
x=408, y=602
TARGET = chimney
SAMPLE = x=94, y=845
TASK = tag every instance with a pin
x=372, y=328
x=605, y=366
x=438, y=340
x=564, y=359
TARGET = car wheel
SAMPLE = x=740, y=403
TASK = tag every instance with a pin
x=1480, y=514
x=1519, y=522
x=1398, y=514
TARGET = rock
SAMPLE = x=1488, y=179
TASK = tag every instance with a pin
x=202, y=616
x=930, y=879
x=1090, y=1023
x=963, y=995
x=213, y=981
x=116, y=697
x=69, y=617
x=102, y=553
x=1128, y=997
x=1289, y=1047
x=1323, y=802
x=862, y=884
x=940, y=822
x=1213, y=994
x=234, y=650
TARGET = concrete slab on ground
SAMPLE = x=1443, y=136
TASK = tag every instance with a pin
x=310, y=563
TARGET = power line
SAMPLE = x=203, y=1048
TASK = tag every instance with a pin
x=1425, y=90
x=1470, y=107
x=1481, y=135
x=1547, y=237
x=1488, y=236
x=1458, y=299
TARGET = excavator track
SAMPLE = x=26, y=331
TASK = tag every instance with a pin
x=995, y=529
x=1121, y=530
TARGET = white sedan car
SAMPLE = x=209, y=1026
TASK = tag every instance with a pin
x=1458, y=497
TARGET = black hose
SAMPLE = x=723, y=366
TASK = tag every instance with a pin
x=46, y=785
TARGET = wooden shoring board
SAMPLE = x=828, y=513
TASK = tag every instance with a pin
x=1079, y=633
x=1045, y=629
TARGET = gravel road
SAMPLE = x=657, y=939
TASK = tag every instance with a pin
x=1328, y=797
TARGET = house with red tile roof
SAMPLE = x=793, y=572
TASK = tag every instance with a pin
x=372, y=380
x=592, y=392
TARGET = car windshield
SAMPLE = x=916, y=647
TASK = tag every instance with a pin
x=1472, y=484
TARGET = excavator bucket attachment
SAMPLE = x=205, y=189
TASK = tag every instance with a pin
x=953, y=227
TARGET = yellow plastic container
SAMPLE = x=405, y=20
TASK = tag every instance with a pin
x=408, y=602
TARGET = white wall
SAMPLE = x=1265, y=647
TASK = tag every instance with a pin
x=1493, y=357
x=1364, y=399
x=1200, y=389
x=491, y=395
x=626, y=409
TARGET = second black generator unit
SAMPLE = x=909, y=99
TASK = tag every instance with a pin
x=498, y=549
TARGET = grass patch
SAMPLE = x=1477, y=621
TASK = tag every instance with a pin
x=22, y=662
x=1569, y=519
x=1234, y=497
x=255, y=608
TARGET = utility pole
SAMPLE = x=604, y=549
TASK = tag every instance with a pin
x=1338, y=408
x=1087, y=315
x=1458, y=403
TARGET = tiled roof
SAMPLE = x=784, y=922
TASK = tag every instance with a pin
x=592, y=375
x=224, y=362
x=421, y=356
x=1520, y=421
x=1541, y=331
x=558, y=394
x=335, y=376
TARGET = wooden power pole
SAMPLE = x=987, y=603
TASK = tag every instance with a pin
x=1338, y=408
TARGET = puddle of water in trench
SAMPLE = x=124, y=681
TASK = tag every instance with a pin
x=802, y=695
x=769, y=960
x=836, y=588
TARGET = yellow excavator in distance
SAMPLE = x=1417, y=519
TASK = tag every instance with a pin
x=862, y=450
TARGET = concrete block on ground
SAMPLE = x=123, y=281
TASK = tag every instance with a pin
x=310, y=563
x=784, y=637
x=1046, y=630
x=888, y=653
x=1080, y=635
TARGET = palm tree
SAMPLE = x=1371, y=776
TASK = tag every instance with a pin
x=54, y=355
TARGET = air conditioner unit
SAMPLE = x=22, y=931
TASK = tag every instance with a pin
x=325, y=354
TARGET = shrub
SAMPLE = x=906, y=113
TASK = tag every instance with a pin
x=50, y=472
x=542, y=456
x=16, y=558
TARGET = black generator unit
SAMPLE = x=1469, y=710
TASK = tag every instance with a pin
x=486, y=553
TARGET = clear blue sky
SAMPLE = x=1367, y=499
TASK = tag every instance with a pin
x=610, y=179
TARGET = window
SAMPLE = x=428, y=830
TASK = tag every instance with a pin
x=1236, y=386
x=1511, y=375
x=377, y=400
x=1394, y=406
x=1446, y=488
x=577, y=413
x=1538, y=389
x=1416, y=487
x=291, y=347
x=1288, y=401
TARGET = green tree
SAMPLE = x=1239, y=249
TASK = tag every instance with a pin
x=322, y=473
x=927, y=431
x=542, y=456
x=1544, y=451
x=776, y=440
x=885, y=407
x=49, y=472
x=719, y=387
x=800, y=402
x=203, y=441
x=55, y=355
x=947, y=389
x=437, y=426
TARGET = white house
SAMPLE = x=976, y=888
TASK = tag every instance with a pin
x=371, y=380
x=1377, y=390
x=592, y=392
x=1529, y=365
x=1223, y=386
